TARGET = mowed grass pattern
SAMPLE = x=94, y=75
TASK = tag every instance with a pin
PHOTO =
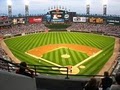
x=55, y=56
x=19, y=45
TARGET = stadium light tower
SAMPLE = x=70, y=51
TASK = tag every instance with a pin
x=88, y=7
x=105, y=7
x=26, y=8
x=9, y=3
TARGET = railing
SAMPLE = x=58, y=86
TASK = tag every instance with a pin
x=52, y=70
x=38, y=69
x=41, y=69
x=7, y=65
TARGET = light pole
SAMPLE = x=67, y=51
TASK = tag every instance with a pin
x=9, y=3
x=88, y=7
x=26, y=8
x=104, y=7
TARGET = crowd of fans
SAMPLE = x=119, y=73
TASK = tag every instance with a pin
x=24, y=28
x=106, y=83
x=3, y=53
x=106, y=29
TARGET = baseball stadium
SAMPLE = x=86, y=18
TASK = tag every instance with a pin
x=60, y=44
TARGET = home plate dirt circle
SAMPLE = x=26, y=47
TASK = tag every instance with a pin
x=74, y=70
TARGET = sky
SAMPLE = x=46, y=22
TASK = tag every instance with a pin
x=79, y=6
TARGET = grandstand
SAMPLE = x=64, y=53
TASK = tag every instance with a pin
x=61, y=46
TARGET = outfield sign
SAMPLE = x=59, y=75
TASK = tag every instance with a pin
x=4, y=21
x=3, y=18
x=112, y=21
x=19, y=21
x=57, y=20
x=96, y=20
x=35, y=20
x=79, y=19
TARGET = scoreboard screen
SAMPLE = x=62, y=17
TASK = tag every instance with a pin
x=96, y=20
x=57, y=15
x=19, y=21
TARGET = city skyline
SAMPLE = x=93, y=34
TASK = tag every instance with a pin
x=43, y=6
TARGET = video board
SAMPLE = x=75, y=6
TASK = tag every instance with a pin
x=96, y=20
x=19, y=21
x=33, y=20
x=57, y=16
x=79, y=19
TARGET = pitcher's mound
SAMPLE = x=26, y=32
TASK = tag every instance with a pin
x=66, y=56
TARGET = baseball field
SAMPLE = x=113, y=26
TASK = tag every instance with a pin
x=86, y=53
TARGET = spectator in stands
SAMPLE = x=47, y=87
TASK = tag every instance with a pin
x=106, y=82
x=92, y=84
x=117, y=85
x=24, y=70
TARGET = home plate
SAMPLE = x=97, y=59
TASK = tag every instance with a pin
x=74, y=70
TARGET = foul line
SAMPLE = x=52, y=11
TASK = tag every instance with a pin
x=87, y=59
x=60, y=65
x=50, y=62
x=43, y=59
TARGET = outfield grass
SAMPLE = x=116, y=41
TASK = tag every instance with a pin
x=19, y=45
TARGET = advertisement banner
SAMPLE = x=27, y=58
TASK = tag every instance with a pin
x=96, y=20
x=35, y=19
x=112, y=21
x=3, y=18
x=5, y=23
x=57, y=20
x=79, y=19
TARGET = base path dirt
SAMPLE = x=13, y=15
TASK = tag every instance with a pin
x=39, y=51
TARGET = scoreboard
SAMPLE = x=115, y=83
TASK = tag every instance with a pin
x=57, y=16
